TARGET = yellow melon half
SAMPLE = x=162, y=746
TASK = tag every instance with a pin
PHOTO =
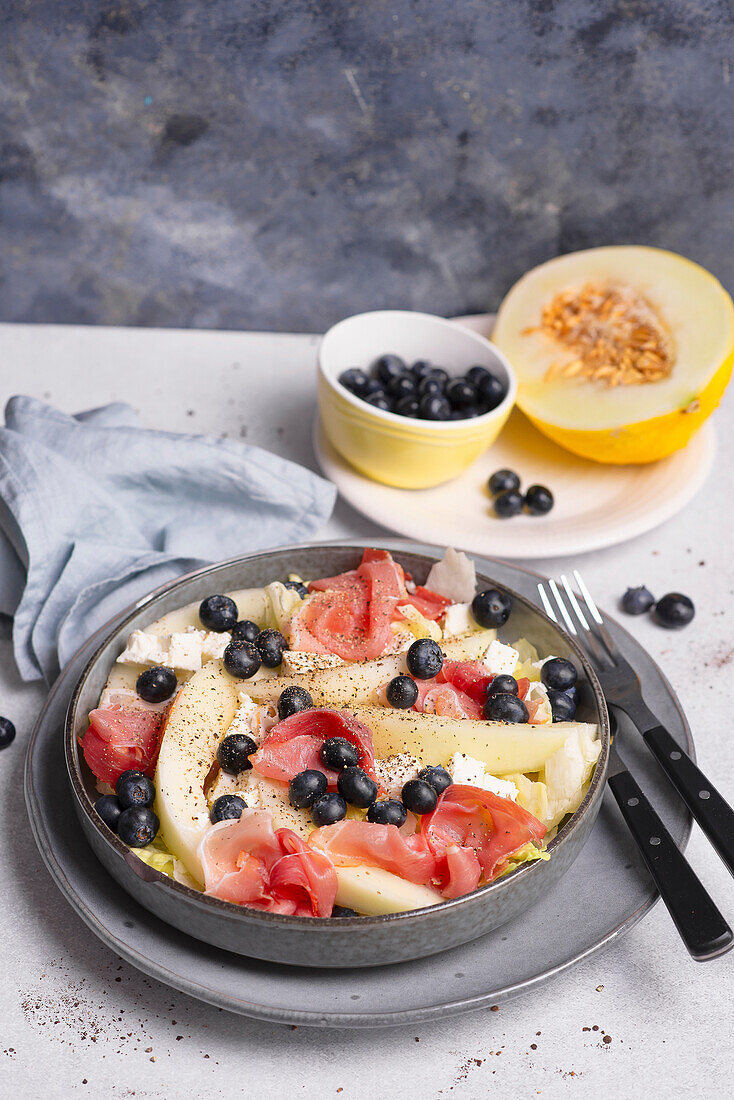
x=631, y=377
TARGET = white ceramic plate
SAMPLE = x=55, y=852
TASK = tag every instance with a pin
x=596, y=505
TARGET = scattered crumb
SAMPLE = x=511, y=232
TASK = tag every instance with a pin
x=495, y=1008
x=599, y=988
x=607, y=1039
x=533, y=1046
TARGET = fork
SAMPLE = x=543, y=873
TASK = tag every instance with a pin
x=700, y=924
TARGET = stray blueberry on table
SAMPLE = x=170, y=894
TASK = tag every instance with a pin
x=305, y=787
x=563, y=706
x=424, y=659
x=503, y=481
x=133, y=788
x=234, y=752
x=137, y=827
x=356, y=787
x=7, y=732
x=109, y=809
x=328, y=809
x=504, y=684
x=508, y=504
x=293, y=700
x=538, y=500
x=387, y=811
x=674, y=610
x=389, y=366
x=245, y=631
x=242, y=659
x=156, y=684
x=228, y=807
x=636, y=601
x=218, y=613
x=337, y=753
x=419, y=797
x=401, y=692
x=491, y=607
x=355, y=380
x=271, y=645
x=505, y=708
x=296, y=586
x=438, y=778
x=558, y=674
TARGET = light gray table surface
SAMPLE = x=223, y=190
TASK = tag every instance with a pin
x=75, y=1020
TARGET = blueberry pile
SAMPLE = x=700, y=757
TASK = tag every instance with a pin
x=673, y=611
x=250, y=647
x=129, y=811
x=504, y=486
x=423, y=391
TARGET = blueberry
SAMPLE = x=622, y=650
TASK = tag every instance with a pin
x=234, y=752
x=228, y=807
x=379, y=401
x=440, y=375
x=337, y=753
x=133, y=788
x=356, y=787
x=504, y=684
x=137, y=826
x=343, y=911
x=424, y=659
x=387, y=811
x=374, y=386
x=419, y=797
x=563, y=706
x=109, y=809
x=245, y=631
x=218, y=613
x=242, y=659
x=674, y=610
x=558, y=674
x=271, y=645
x=7, y=732
x=402, y=386
x=636, y=601
x=401, y=692
x=508, y=504
x=460, y=393
x=505, y=708
x=407, y=406
x=438, y=778
x=430, y=386
x=503, y=481
x=305, y=787
x=434, y=407
x=492, y=391
x=491, y=607
x=292, y=700
x=354, y=380
x=156, y=684
x=538, y=500
x=421, y=369
x=389, y=366
x=471, y=411
x=328, y=809
x=296, y=586
x=476, y=375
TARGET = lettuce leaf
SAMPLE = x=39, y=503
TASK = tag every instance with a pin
x=564, y=780
x=283, y=603
x=527, y=854
x=158, y=856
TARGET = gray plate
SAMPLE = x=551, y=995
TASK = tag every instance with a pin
x=607, y=883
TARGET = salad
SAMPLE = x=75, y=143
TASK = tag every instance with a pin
x=356, y=744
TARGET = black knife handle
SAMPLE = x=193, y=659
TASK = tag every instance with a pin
x=702, y=927
x=710, y=809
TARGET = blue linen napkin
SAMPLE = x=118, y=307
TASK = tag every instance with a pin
x=96, y=511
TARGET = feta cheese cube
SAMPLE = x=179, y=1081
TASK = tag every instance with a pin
x=252, y=718
x=458, y=619
x=500, y=659
x=393, y=772
x=454, y=577
x=144, y=649
x=214, y=645
x=185, y=649
x=465, y=769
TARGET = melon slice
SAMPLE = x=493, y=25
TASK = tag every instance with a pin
x=621, y=353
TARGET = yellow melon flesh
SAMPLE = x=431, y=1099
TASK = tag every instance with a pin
x=622, y=423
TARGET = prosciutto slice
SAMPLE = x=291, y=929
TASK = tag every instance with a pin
x=119, y=738
x=351, y=843
x=293, y=745
x=248, y=863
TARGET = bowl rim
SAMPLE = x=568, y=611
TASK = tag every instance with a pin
x=428, y=426
x=210, y=904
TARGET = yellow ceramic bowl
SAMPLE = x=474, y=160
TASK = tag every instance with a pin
x=398, y=450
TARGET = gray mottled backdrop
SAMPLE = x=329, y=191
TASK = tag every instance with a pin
x=255, y=164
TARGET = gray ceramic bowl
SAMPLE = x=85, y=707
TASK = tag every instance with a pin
x=343, y=942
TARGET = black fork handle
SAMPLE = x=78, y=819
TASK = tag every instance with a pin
x=700, y=924
x=710, y=809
